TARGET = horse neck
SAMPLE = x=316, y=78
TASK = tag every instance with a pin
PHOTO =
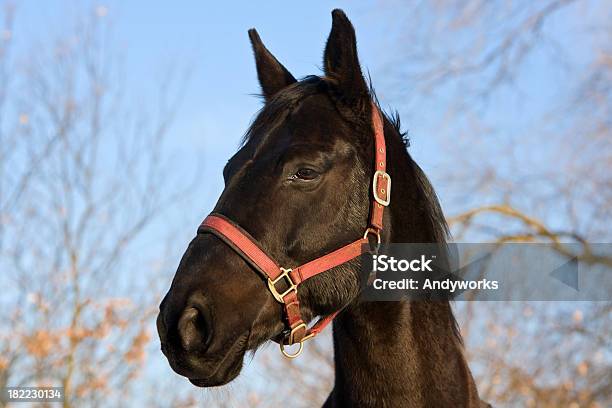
x=401, y=353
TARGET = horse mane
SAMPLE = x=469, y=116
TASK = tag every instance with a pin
x=436, y=217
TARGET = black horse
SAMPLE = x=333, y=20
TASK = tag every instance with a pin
x=300, y=185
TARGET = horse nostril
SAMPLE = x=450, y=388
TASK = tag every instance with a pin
x=192, y=329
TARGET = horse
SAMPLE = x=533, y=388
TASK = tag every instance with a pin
x=299, y=188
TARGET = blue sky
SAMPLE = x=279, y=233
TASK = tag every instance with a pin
x=210, y=39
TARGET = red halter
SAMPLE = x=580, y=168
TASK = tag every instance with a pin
x=249, y=249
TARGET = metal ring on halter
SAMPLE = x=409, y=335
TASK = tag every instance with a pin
x=282, y=347
x=373, y=231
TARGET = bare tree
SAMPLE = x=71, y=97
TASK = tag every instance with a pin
x=82, y=167
x=528, y=159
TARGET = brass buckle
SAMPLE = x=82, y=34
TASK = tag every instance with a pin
x=272, y=285
x=386, y=176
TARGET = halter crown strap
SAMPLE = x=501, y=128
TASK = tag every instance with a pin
x=282, y=282
x=381, y=181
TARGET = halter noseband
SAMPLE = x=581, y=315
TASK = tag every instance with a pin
x=249, y=249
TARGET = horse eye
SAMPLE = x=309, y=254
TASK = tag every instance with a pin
x=306, y=174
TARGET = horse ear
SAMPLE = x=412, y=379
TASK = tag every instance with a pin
x=340, y=60
x=273, y=76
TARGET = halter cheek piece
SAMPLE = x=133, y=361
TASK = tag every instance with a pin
x=248, y=248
